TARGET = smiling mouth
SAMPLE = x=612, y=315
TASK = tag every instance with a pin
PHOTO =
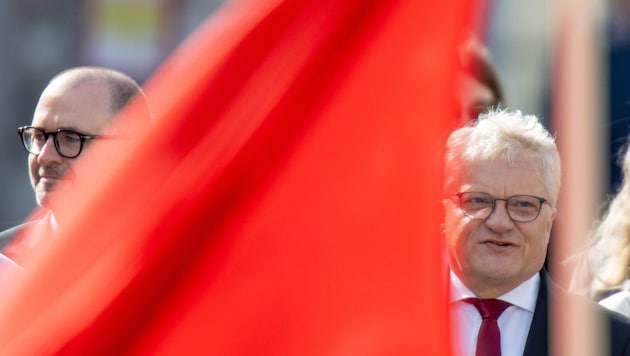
x=496, y=243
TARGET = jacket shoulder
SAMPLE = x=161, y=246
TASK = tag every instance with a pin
x=6, y=236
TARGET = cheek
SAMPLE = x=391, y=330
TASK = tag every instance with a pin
x=69, y=164
x=449, y=223
x=542, y=230
x=33, y=166
x=456, y=229
x=538, y=238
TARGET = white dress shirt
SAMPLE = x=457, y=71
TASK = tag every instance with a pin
x=514, y=323
x=619, y=302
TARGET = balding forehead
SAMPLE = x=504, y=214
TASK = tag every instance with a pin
x=84, y=106
x=78, y=78
x=99, y=89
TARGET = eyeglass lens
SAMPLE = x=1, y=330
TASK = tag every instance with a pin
x=68, y=143
x=522, y=208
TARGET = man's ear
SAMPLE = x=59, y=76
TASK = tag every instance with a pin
x=551, y=218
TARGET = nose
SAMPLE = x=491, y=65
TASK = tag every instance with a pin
x=499, y=219
x=48, y=154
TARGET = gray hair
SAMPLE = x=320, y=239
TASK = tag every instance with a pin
x=500, y=133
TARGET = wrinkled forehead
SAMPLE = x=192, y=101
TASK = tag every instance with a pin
x=530, y=177
x=84, y=107
x=460, y=166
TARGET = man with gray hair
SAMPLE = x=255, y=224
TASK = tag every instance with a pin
x=502, y=178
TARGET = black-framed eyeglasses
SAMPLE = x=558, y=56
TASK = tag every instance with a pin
x=68, y=143
x=520, y=208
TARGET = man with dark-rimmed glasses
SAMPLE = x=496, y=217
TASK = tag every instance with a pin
x=74, y=109
x=68, y=143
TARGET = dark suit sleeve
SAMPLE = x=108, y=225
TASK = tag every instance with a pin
x=537, y=343
x=7, y=235
x=619, y=332
x=615, y=326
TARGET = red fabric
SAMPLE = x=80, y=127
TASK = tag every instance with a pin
x=284, y=203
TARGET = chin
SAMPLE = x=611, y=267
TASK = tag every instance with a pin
x=43, y=200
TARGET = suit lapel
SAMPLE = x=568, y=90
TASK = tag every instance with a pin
x=538, y=337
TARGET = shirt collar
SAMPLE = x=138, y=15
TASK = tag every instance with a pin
x=523, y=296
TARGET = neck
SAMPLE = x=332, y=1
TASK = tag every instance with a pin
x=54, y=224
x=489, y=288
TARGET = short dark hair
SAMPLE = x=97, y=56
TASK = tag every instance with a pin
x=123, y=90
x=123, y=87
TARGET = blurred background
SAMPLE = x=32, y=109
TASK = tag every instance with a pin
x=42, y=37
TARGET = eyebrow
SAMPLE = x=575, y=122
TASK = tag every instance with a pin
x=71, y=128
x=67, y=128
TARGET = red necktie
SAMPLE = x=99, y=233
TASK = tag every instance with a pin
x=489, y=337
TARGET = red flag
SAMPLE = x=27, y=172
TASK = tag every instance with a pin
x=284, y=202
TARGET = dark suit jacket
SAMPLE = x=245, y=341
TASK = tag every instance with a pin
x=537, y=341
x=14, y=248
x=37, y=216
x=6, y=236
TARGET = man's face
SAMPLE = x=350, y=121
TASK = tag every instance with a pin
x=494, y=255
x=84, y=108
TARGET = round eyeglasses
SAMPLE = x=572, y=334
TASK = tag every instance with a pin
x=520, y=208
x=68, y=143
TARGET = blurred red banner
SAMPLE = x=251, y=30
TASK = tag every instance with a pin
x=285, y=202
